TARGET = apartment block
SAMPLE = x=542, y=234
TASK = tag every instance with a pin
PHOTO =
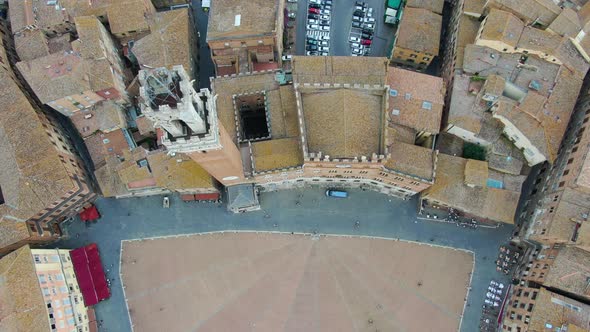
x=43, y=293
x=417, y=40
x=245, y=36
x=42, y=181
x=72, y=81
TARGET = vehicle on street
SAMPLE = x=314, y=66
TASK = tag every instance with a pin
x=292, y=1
x=323, y=49
x=355, y=45
x=327, y=7
x=292, y=15
x=336, y=193
x=324, y=22
x=324, y=53
x=313, y=16
x=367, y=31
x=316, y=6
x=356, y=25
x=366, y=42
x=369, y=26
x=357, y=19
x=324, y=43
x=367, y=36
x=369, y=20
x=354, y=39
x=313, y=27
x=325, y=17
x=311, y=53
x=315, y=1
x=359, y=8
x=288, y=57
x=312, y=42
x=325, y=27
x=325, y=12
x=325, y=38
x=166, y=202
x=311, y=48
x=358, y=12
x=314, y=10
x=312, y=21
x=356, y=51
x=327, y=2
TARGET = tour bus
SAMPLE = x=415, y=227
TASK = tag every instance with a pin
x=337, y=193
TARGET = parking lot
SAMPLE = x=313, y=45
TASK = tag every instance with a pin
x=340, y=28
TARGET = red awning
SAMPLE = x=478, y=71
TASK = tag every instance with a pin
x=90, y=275
x=207, y=197
x=90, y=213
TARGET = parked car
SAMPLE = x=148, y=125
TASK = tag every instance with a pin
x=354, y=39
x=359, y=3
x=356, y=25
x=367, y=36
x=358, y=12
x=293, y=1
x=325, y=38
x=336, y=193
x=313, y=16
x=324, y=43
x=311, y=48
x=311, y=53
x=315, y=1
x=313, y=27
x=325, y=17
x=292, y=15
x=325, y=12
x=312, y=21
x=327, y=7
x=327, y=2
x=324, y=49
x=324, y=22
x=369, y=20
x=356, y=51
x=357, y=19
x=369, y=26
x=359, y=8
x=366, y=42
x=325, y=27
x=324, y=53
x=367, y=31
x=288, y=57
x=314, y=5
x=355, y=45
x=312, y=42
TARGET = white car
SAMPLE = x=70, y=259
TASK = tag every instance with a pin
x=355, y=45
x=325, y=38
x=312, y=53
x=325, y=12
x=291, y=0
x=354, y=40
x=326, y=27
x=356, y=51
x=313, y=27
x=324, y=43
x=287, y=57
x=312, y=21
x=317, y=2
x=323, y=49
x=325, y=17
x=324, y=53
x=359, y=8
x=369, y=20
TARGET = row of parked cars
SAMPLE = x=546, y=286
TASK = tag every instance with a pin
x=363, y=27
x=317, y=41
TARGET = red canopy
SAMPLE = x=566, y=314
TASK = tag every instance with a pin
x=89, y=213
x=207, y=197
x=90, y=275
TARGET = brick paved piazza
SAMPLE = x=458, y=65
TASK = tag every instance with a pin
x=293, y=282
x=379, y=215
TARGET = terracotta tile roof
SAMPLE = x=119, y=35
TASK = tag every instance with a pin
x=570, y=272
x=343, y=123
x=104, y=116
x=103, y=144
x=60, y=75
x=476, y=173
x=25, y=13
x=572, y=206
x=419, y=30
x=129, y=16
x=412, y=160
x=415, y=92
x=226, y=87
x=30, y=45
x=130, y=171
x=145, y=125
x=237, y=18
x=31, y=173
x=538, y=40
x=339, y=70
x=466, y=34
x=108, y=179
x=169, y=42
x=179, y=172
x=23, y=306
x=567, y=23
x=449, y=188
x=544, y=11
x=464, y=111
x=90, y=37
x=397, y=133
x=277, y=154
x=550, y=309
x=474, y=7
x=432, y=5
x=502, y=26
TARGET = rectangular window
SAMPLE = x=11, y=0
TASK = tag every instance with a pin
x=427, y=105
